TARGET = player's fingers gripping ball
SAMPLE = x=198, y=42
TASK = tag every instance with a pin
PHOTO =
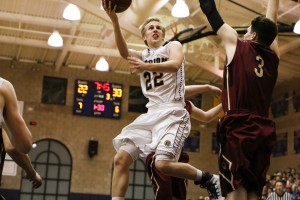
x=119, y=5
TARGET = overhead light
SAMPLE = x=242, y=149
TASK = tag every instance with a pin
x=102, y=65
x=180, y=9
x=71, y=12
x=297, y=27
x=55, y=40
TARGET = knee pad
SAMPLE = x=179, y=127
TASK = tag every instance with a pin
x=131, y=149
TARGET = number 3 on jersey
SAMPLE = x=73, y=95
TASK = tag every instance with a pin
x=153, y=80
x=259, y=70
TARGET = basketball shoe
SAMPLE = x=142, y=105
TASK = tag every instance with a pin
x=211, y=183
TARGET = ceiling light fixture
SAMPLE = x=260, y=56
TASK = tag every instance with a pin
x=297, y=27
x=55, y=40
x=180, y=9
x=102, y=65
x=72, y=12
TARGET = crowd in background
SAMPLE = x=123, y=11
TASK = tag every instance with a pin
x=290, y=179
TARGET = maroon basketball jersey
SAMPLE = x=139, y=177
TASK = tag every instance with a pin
x=251, y=77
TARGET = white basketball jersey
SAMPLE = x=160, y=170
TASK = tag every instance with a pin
x=161, y=87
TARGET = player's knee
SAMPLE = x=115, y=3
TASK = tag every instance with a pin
x=163, y=166
x=122, y=161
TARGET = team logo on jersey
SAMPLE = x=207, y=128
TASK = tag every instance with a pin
x=156, y=60
x=167, y=143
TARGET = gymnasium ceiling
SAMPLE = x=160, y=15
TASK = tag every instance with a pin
x=25, y=26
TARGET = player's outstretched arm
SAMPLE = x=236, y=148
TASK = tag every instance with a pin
x=119, y=38
x=272, y=13
x=227, y=34
x=205, y=116
x=22, y=160
x=21, y=136
x=171, y=65
x=191, y=90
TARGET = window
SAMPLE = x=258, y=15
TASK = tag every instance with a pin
x=296, y=101
x=54, y=90
x=53, y=162
x=137, y=101
x=192, y=142
x=297, y=141
x=279, y=107
x=214, y=146
x=280, y=148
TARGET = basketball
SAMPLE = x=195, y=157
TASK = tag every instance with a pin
x=122, y=5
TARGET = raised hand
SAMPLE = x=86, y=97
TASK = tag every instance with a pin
x=109, y=10
x=136, y=64
x=36, y=180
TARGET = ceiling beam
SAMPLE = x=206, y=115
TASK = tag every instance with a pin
x=34, y=20
x=62, y=55
x=289, y=46
x=205, y=65
x=72, y=48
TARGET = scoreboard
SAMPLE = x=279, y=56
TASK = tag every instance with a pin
x=98, y=99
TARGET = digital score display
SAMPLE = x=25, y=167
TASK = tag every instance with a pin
x=98, y=99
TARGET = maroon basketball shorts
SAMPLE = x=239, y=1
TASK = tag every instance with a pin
x=166, y=187
x=246, y=142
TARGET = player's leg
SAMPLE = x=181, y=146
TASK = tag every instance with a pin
x=166, y=187
x=187, y=171
x=179, y=186
x=126, y=143
x=161, y=183
x=239, y=194
x=252, y=196
x=169, y=148
x=122, y=161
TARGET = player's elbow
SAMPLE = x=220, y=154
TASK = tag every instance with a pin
x=124, y=55
x=10, y=150
x=175, y=66
x=24, y=146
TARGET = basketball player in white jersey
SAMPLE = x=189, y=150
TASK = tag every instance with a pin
x=166, y=125
x=20, y=142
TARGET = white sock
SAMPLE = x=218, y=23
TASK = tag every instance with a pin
x=199, y=175
x=118, y=198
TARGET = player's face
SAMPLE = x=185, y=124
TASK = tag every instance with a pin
x=153, y=34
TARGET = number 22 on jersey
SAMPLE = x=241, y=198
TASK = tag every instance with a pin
x=153, y=79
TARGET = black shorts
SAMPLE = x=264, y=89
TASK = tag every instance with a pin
x=246, y=142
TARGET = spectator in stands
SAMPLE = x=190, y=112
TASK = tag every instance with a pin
x=279, y=192
x=288, y=189
x=265, y=191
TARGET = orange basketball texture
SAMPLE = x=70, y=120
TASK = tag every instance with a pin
x=122, y=5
